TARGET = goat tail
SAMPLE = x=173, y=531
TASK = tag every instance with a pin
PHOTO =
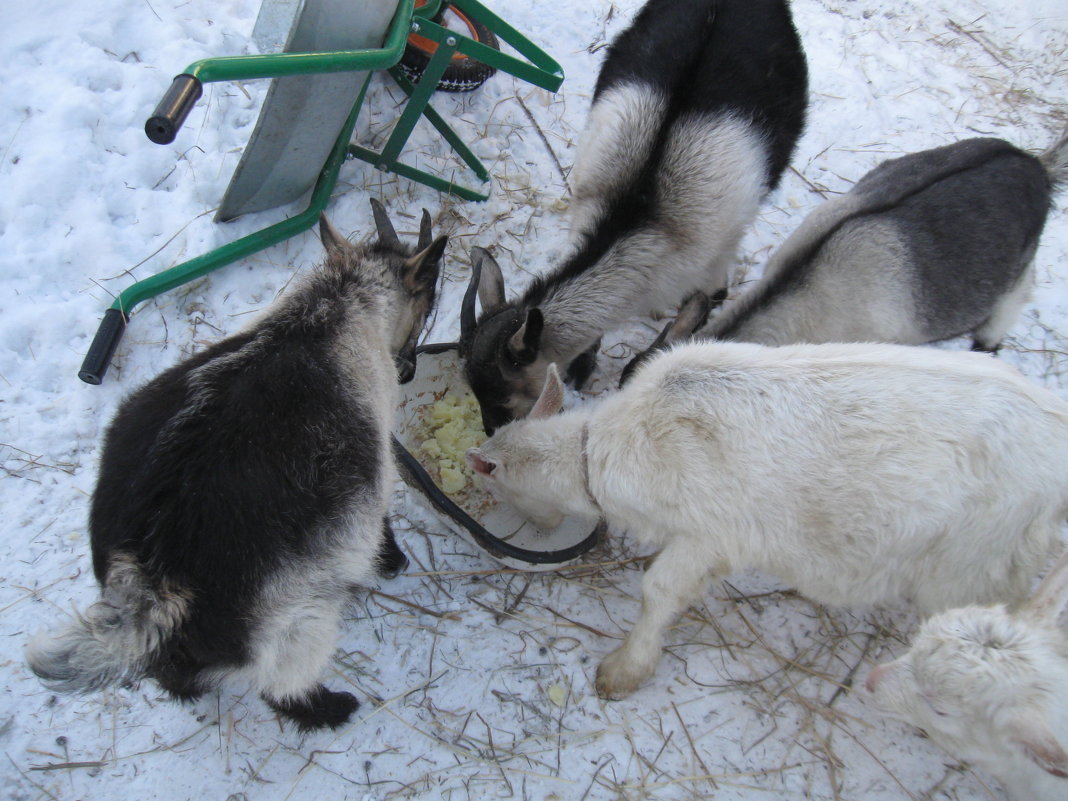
x=1055, y=160
x=117, y=637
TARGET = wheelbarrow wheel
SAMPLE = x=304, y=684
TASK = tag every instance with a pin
x=463, y=74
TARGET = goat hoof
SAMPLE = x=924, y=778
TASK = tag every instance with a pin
x=982, y=347
x=391, y=560
x=394, y=569
x=321, y=709
x=617, y=677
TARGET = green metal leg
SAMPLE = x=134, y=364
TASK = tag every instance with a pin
x=442, y=127
x=113, y=326
x=419, y=105
x=163, y=126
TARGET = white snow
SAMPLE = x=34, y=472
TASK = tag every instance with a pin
x=475, y=682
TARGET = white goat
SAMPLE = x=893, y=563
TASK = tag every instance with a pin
x=857, y=473
x=991, y=686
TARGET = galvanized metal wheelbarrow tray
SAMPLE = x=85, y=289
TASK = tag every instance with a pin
x=163, y=127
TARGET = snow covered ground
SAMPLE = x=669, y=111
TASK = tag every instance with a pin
x=475, y=682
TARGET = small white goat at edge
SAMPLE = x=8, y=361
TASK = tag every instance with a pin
x=860, y=474
x=991, y=686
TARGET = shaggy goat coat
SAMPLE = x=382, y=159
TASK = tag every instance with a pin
x=243, y=492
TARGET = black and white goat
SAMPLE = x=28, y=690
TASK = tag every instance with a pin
x=925, y=247
x=696, y=112
x=243, y=492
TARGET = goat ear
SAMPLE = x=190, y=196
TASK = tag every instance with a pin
x=524, y=343
x=331, y=238
x=551, y=399
x=693, y=314
x=478, y=462
x=1030, y=733
x=1051, y=595
x=490, y=282
x=421, y=270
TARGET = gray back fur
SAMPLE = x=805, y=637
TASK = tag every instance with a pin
x=670, y=171
x=925, y=247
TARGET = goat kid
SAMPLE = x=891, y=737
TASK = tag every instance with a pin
x=925, y=247
x=696, y=112
x=243, y=492
x=989, y=686
x=859, y=474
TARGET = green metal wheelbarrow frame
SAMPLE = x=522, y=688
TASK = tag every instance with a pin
x=186, y=89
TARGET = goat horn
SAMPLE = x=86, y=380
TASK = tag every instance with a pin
x=387, y=235
x=426, y=236
x=467, y=307
x=523, y=344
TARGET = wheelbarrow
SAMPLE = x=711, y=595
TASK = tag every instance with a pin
x=333, y=48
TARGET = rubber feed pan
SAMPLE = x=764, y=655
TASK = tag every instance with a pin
x=493, y=527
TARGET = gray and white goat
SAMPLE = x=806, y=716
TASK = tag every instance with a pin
x=857, y=473
x=696, y=112
x=243, y=492
x=925, y=247
x=991, y=686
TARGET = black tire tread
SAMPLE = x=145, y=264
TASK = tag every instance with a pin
x=463, y=74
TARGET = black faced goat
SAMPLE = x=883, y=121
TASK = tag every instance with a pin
x=695, y=115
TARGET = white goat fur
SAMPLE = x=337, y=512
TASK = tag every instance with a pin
x=990, y=685
x=859, y=474
x=711, y=181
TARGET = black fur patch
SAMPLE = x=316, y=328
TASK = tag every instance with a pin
x=486, y=363
x=582, y=366
x=322, y=709
x=220, y=499
x=712, y=56
x=391, y=560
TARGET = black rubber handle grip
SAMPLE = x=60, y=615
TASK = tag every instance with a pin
x=112, y=327
x=172, y=110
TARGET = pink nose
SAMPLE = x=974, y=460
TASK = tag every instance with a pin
x=878, y=673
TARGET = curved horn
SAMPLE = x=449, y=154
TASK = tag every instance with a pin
x=467, y=307
x=387, y=235
x=524, y=343
x=426, y=236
